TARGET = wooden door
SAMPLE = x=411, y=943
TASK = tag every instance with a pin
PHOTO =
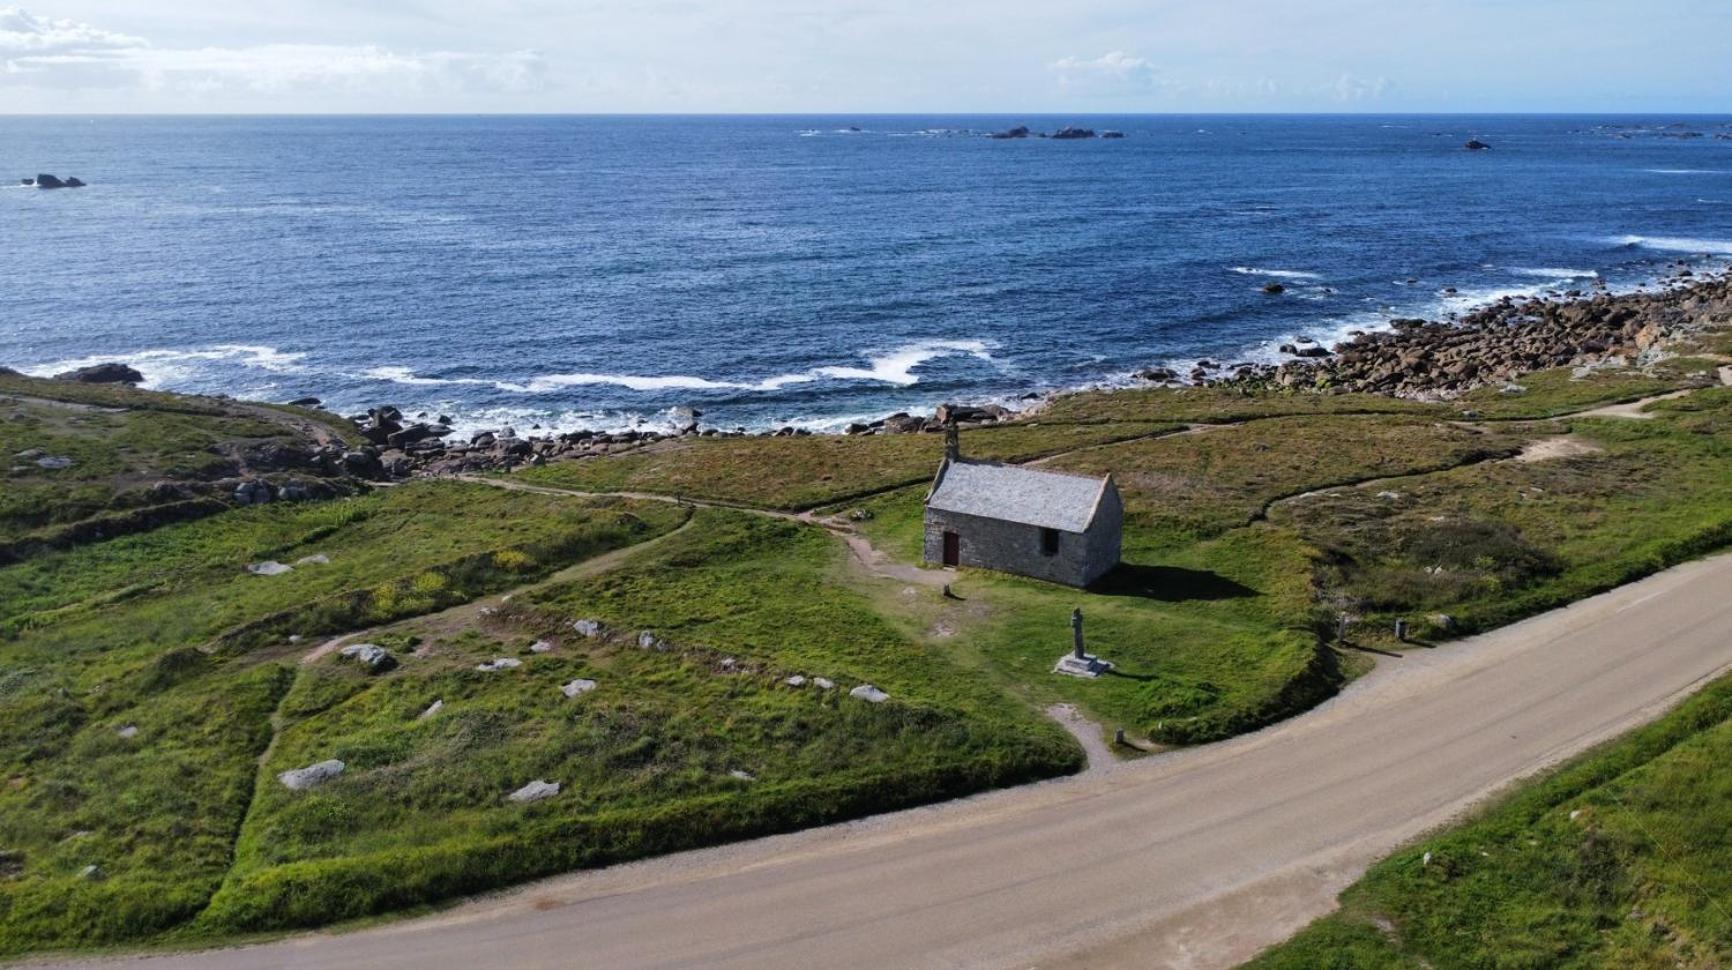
x=952, y=549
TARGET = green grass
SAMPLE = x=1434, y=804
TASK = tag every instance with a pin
x=802, y=473
x=1217, y=405
x=121, y=442
x=1195, y=486
x=1498, y=541
x=1558, y=391
x=1618, y=859
x=645, y=759
x=1242, y=541
x=108, y=635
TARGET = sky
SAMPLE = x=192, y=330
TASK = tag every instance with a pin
x=831, y=56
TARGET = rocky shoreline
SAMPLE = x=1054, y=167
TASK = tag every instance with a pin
x=1440, y=360
x=1436, y=360
x=1424, y=359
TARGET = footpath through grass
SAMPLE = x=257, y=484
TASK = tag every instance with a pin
x=696, y=739
x=1618, y=859
x=138, y=679
x=806, y=472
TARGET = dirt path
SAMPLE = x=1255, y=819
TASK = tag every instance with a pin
x=467, y=614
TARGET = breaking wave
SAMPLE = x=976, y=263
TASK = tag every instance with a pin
x=1675, y=244
x=164, y=366
x=895, y=367
x=1555, y=273
x=1283, y=274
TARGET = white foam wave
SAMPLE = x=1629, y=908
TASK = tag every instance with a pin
x=162, y=366
x=1687, y=171
x=403, y=375
x=893, y=367
x=1675, y=244
x=1284, y=274
x=1555, y=273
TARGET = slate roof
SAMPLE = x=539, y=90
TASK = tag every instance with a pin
x=1047, y=500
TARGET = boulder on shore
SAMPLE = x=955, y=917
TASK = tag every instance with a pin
x=102, y=374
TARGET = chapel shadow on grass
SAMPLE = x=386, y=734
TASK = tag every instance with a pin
x=1171, y=584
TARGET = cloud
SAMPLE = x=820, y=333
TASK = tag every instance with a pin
x=1114, y=70
x=1350, y=87
x=21, y=33
x=48, y=53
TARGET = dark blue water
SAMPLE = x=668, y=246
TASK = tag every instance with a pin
x=598, y=271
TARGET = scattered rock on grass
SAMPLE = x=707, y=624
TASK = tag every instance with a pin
x=647, y=640
x=824, y=683
x=500, y=663
x=578, y=686
x=269, y=567
x=312, y=776
x=375, y=658
x=316, y=559
x=535, y=791
x=432, y=709
x=128, y=732
x=92, y=872
x=795, y=681
x=869, y=694
x=54, y=462
x=540, y=646
x=739, y=775
x=587, y=628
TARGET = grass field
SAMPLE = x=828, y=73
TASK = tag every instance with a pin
x=685, y=745
x=1618, y=859
x=152, y=688
x=803, y=473
x=107, y=638
x=116, y=444
x=1491, y=543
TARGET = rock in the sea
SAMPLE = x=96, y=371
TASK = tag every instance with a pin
x=1273, y=287
x=577, y=687
x=869, y=694
x=269, y=567
x=535, y=791
x=1475, y=145
x=499, y=663
x=1109, y=133
x=375, y=658
x=312, y=776
x=1020, y=131
x=305, y=402
x=1072, y=132
x=45, y=181
x=103, y=374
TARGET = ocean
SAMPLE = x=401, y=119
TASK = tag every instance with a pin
x=808, y=271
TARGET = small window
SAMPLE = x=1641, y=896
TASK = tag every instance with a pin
x=1049, y=542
